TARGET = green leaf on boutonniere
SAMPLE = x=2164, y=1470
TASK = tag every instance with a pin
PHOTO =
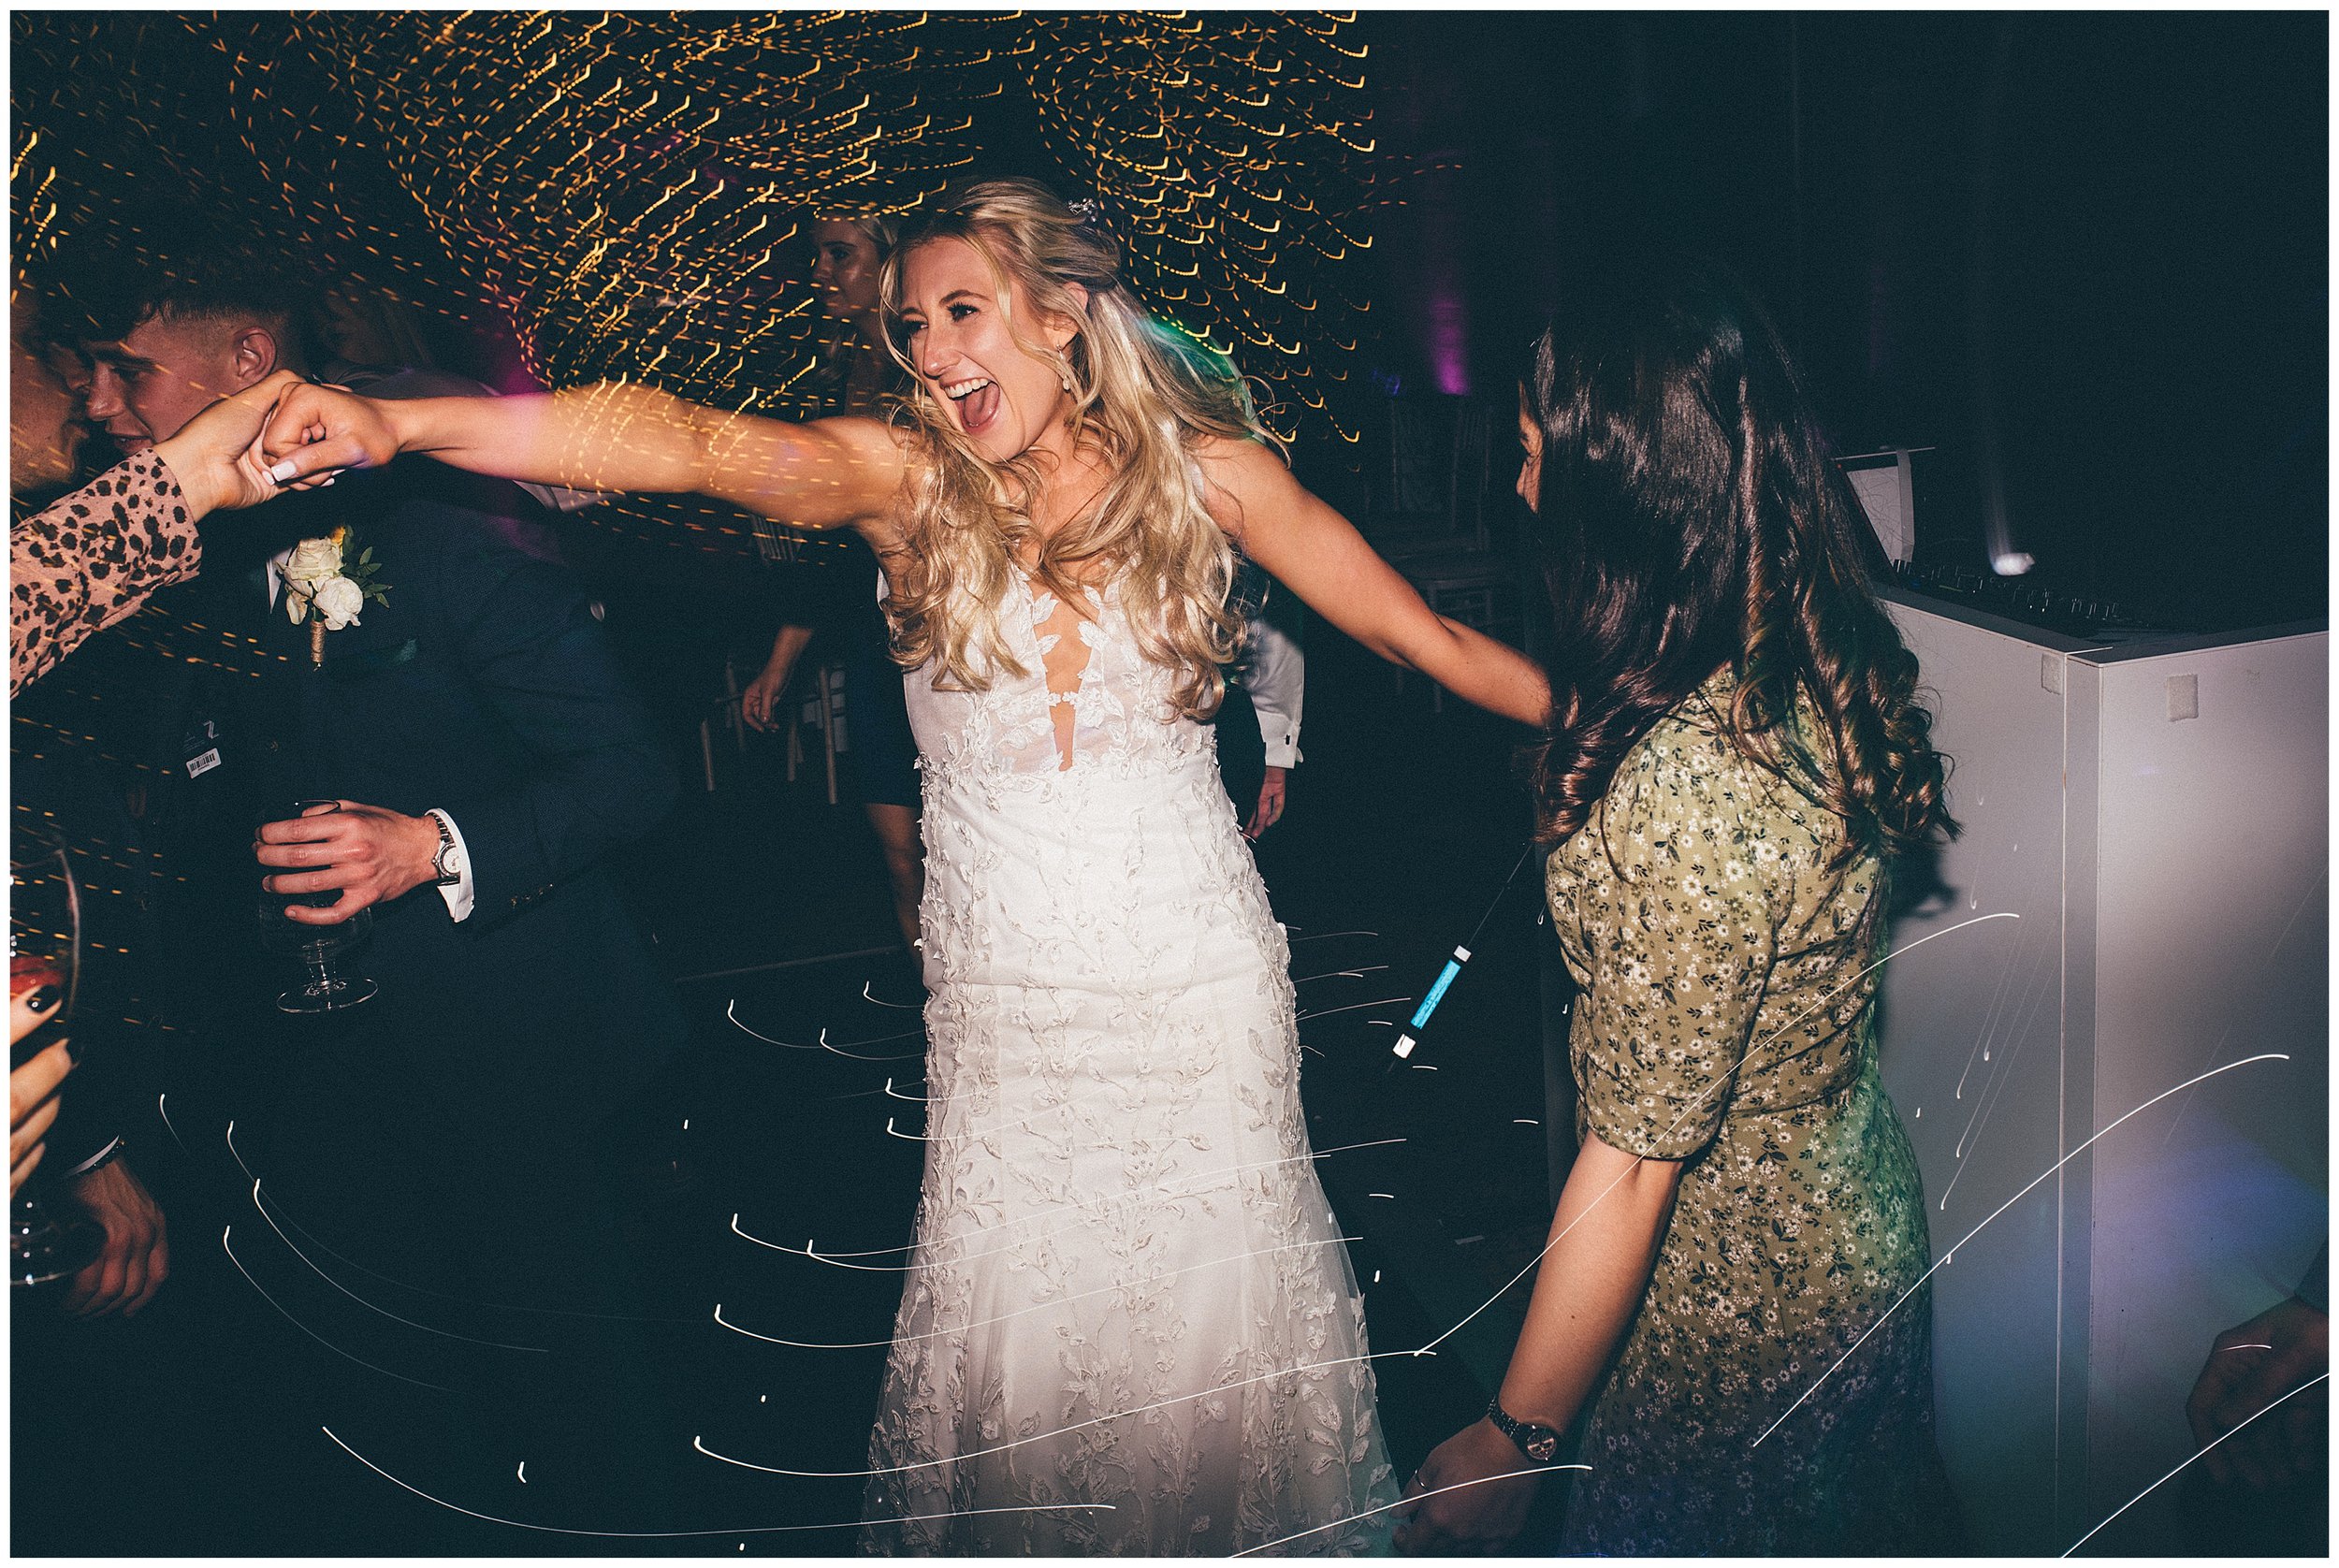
x=366, y=574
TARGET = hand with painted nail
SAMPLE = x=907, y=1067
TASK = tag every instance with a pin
x=33, y=1087
x=317, y=430
x=215, y=455
x=2251, y=1366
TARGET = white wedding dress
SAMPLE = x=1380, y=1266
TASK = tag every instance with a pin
x=1129, y=1325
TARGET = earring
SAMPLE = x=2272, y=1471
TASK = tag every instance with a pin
x=1066, y=380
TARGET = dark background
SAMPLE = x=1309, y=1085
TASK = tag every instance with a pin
x=2092, y=245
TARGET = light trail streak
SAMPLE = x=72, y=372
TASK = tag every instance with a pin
x=732, y=1012
x=2270, y=1057
x=1041, y=1306
x=310, y=1332
x=1602, y=1196
x=426, y=1290
x=882, y=1001
x=1327, y=935
x=164, y=1111
x=2321, y=1377
x=1993, y=1089
x=2257, y=991
x=1343, y=974
x=748, y=1529
x=1327, y=1012
x=1083, y=1206
x=1404, y=1503
x=873, y=1040
x=873, y=1094
x=1989, y=1016
x=1061, y=1108
x=2034, y=992
x=856, y=1056
x=699, y=1442
x=444, y=1334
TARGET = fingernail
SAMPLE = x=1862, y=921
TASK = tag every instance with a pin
x=42, y=1000
x=283, y=470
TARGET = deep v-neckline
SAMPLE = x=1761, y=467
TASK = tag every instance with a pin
x=1066, y=656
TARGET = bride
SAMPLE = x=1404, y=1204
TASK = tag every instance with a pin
x=1129, y=1324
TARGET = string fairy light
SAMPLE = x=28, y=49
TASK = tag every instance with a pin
x=622, y=194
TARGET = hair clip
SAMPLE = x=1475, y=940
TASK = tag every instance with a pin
x=1086, y=211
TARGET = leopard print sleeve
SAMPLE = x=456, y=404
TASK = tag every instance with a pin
x=92, y=558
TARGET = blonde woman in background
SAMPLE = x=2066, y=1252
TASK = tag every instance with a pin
x=858, y=376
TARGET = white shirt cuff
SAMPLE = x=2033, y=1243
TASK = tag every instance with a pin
x=463, y=891
x=1282, y=747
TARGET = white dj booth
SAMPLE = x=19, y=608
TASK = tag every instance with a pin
x=2153, y=815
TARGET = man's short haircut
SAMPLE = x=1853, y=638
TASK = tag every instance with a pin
x=109, y=281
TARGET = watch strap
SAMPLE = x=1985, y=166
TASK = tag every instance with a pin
x=1538, y=1443
x=444, y=874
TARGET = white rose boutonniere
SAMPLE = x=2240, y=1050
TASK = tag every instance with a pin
x=318, y=579
x=337, y=602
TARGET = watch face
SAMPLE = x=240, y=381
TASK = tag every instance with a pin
x=1540, y=1449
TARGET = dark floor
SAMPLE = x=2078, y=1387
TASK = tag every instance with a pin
x=235, y=1416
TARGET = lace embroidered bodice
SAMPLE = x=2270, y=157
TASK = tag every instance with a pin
x=1088, y=699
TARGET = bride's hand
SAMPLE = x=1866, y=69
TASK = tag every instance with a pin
x=317, y=430
x=215, y=456
x=1481, y=1516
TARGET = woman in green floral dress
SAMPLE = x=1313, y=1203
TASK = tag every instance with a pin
x=1732, y=1286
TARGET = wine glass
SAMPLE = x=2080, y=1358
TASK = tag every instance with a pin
x=44, y=950
x=319, y=946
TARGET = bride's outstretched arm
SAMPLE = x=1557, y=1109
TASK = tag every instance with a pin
x=613, y=436
x=1317, y=554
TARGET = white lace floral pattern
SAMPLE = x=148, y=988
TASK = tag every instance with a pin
x=1128, y=1290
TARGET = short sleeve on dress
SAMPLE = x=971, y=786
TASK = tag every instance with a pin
x=1671, y=884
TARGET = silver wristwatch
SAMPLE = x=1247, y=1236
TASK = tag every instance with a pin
x=446, y=866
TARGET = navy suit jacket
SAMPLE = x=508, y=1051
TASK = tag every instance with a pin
x=484, y=686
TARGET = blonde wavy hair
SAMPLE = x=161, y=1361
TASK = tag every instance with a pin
x=1144, y=395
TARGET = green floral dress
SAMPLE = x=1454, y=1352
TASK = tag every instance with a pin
x=1724, y=1020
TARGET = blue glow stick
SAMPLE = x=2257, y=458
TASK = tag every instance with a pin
x=1405, y=1042
x=1437, y=991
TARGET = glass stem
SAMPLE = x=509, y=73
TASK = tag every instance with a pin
x=321, y=967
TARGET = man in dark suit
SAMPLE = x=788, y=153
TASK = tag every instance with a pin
x=453, y=1141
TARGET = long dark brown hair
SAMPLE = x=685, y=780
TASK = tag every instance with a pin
x=1689, y=518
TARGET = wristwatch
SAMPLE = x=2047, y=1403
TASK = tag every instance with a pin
x=446, y=866
x=1539, y=1444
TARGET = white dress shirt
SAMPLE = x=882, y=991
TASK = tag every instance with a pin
x=459, y=894
x=1274, y=672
